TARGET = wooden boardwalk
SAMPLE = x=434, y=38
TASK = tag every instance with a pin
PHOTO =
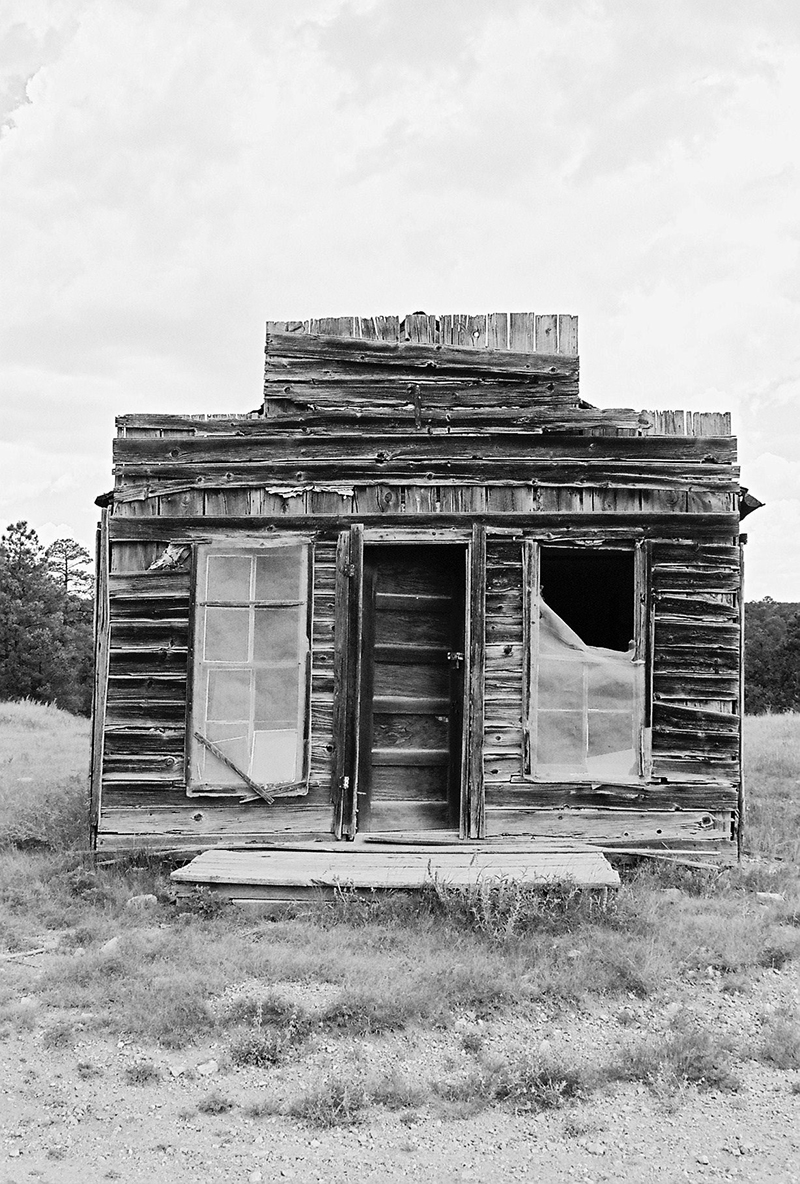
x=298, y=871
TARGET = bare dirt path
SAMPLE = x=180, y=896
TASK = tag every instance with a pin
x=73, y=1110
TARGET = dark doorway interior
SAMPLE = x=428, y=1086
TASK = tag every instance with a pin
x=592, y=591
x=413, y=669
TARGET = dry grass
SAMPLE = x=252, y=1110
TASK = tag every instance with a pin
x=772, y=771
x=687, y=1055
x=142, y=1073
x=392, y=963
x=780, y=1040
x=340, y=1101
x=525, y=1081
x=214, y=1103
x=44, y=761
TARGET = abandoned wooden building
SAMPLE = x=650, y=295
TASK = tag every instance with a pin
x=425, y=587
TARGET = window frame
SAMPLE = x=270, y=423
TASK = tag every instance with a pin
x=531, y=584
x=197, y=666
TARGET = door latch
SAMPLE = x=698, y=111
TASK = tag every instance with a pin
x=454, y=658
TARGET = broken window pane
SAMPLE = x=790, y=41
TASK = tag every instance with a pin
x=585, y=701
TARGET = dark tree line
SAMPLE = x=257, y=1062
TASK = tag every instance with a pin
x=772, y=656
x=45, y=620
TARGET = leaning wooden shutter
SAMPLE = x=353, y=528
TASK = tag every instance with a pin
x=347, y=677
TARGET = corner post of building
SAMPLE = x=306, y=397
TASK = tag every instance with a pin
x=100, y=682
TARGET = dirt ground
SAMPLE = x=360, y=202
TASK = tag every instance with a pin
x=71, y=1114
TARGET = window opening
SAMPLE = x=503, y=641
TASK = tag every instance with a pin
x=251, y=668
x=587, y=681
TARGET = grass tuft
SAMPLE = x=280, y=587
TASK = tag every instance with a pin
x=341, y=1101
x=501, y=907
x=142, y=1073
x=259, y=1047
x=780, y=1040
x=526, y=1081
x=60, y=1035
x=214, y=1103
x=687, y=1055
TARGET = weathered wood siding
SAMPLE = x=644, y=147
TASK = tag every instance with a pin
x=433, y=422
x=143, y=795
x=692, y=792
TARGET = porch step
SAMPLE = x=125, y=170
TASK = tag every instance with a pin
x=281, y=873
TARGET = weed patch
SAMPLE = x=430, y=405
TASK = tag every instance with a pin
x=341, y=1101
x=780, y=1040
x=214, y=1103
x=396, y=1091
x=501, y=907
x=60, y=1035
x=88, y=1071
x=687, y=1055
x=525, y=1082
x=260, y=1047
x=142, y=1073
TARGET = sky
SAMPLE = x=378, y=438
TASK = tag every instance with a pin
x=173, y=173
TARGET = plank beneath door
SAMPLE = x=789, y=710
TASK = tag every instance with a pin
x=280, y=873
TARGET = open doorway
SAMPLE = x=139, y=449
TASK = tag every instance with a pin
x=410, y=718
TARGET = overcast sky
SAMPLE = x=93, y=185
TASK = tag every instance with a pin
x=175, y=172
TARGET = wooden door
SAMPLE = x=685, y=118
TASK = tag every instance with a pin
x=412, y=688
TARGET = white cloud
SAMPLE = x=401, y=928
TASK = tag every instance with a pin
x=177, y=172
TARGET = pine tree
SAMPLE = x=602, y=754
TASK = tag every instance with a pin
x=45, y=621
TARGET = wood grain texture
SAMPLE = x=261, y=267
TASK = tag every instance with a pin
x=567, y=525
x=100, y=677
x=473, y=799
x=432, y=423
x=253, y=874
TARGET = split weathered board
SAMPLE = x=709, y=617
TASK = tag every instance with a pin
x=263, y=875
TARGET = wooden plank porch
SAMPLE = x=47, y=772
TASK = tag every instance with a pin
x=297, y=871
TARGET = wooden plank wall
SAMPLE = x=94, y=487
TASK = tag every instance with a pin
x=364, y=473
x=144, y=796
x=429, y=421
x=431, y=377
x=696, y=658
x=517, y=332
